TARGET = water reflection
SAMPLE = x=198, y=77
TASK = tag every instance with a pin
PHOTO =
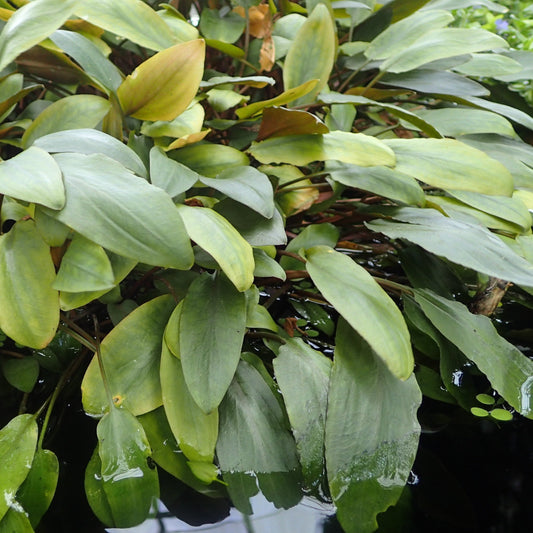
x=308, y=517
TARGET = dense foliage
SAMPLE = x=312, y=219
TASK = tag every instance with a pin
x=257, y=234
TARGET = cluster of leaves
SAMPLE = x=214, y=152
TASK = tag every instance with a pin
x=257, y=217
x=512, y=19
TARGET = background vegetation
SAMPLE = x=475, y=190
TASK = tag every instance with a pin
x=257, y=237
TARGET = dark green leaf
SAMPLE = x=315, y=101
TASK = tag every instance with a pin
x=371, y=432
x=211, y=332
x=21, y=373
x=130, y=483
x=509, y=371
x=38, y=489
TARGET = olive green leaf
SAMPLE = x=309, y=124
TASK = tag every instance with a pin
x=18, y=440
x=29, y=313
x=33, y=176
x=371, y=432
x=163, y=86
x=312, y=54
x=364, y=305
x=21, y=373
x=211, y=332
x=131, y=355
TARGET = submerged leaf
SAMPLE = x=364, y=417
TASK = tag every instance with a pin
x=371, y=432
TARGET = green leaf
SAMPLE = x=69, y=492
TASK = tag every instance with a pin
x=450, y=164
x=256, y=315
x=84, y=267
x=490, y=65
x=250, y=81
x=165, y=450
x=169, y=175
x=195, y=431
x=17, y=447
x=325, y=234
x=436, y=82
x=384, y=181
x=21, y=373
x=257, y=230
x=71, y=112
x=121, y=212
x=303, y=378
x=253, y=436
x=30, y=24
x=454, y=122
x=163, y=86
x=221, y=25
x=94, y=489
x=400, y=35
x=211, y=332
x=246, y=185
x=130, y=484
x=188, y=122
x=122, y=266
x=266, y=267
x=33, y=176
x=284, y=98
x=439, y=44
x=509, y=371
x=132, y=19
x=29, y=313
x=364, y=305
x=130, y=353
x=300, y=150
x=371, y=432
x=456, y=241
x=89, y=141
x=312, y=54
x=89, y=57
x=218, y=237
x=36, y=493
x=511, y=209
x=210, y=159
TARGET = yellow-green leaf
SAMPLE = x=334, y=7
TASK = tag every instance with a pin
x=163, y=86
x=217, y=236
x=29, y=309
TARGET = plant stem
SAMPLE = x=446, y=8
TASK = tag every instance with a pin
x=398, y=287
x=101, y=364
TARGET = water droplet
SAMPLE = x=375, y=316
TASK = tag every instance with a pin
x=457, y=377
